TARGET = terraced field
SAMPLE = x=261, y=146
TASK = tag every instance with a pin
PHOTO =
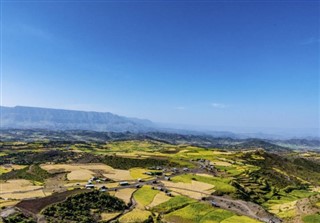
x=192, y=184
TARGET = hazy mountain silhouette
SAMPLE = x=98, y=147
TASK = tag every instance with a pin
x=21, y=117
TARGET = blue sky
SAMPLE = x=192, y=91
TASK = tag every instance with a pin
x=209, y=63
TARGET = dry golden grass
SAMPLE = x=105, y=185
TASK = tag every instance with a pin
x=117, y=175
x=109, y=216
x=11, y=186
x=7, y=203
x=184, y=151
x=125, y=194
x=110, y=185
x=203, y=175
x=78, y=172
x=128, y=155
x=316, y=189
x=136, y=215
x=13, y=166
x=73, y=167
x=75, y=184
x=25, y=195
x=221, y=153
x=194, y=189
x=80, y=175
x=221, y=163
x=191, y=194
x=8, y=168
x=158, y=199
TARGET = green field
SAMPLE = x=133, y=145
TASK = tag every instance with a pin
x=189, y=214
x=173, y=204
x=205, y=213
x=145, y=195
x=216, y=216
x=239, y=219
x=315, y=218
x=135, y=215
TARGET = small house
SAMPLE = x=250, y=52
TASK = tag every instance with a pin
x=214, y=204
x=89, y=186
x=103, y=188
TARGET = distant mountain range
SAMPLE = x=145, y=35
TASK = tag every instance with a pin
x=20, y=117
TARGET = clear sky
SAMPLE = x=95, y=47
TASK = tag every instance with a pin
x=203, y=63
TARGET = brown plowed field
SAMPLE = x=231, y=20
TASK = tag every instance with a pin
x=34, y=206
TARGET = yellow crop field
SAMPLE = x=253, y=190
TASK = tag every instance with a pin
x=73, y=167
x=8, y=168
x=125, y=194
x=194, y=189
x=6, y=203
x=159, y=199
x=109, y=185
x=25, y=195
x=80, y=175
x=220, y=163
x=144, y=196
x=117, y=175
x=78, y=172
x=109, y=216
x=191, y=194
x=11, y=186
x=277, y=208
x=204, y=175
x=137, y=173
x=216, y=152
x=315, y=189
x=239, y=219
x=136, y=215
